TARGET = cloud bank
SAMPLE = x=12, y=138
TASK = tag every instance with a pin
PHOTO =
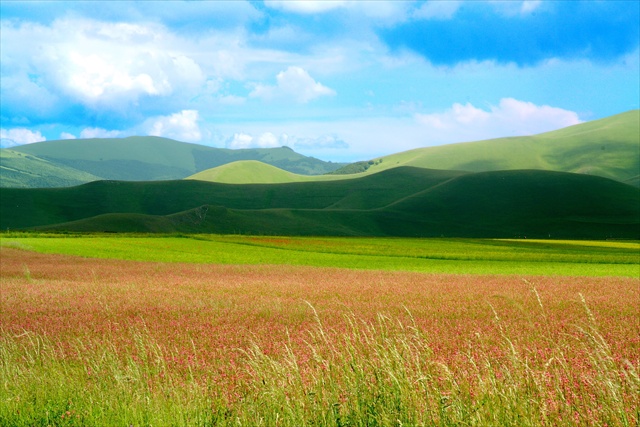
x=340, y=79
x=18, y=136
x=292, y=84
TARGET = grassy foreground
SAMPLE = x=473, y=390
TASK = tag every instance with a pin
x=379, y=374
x=460, y=256
x=105, y=342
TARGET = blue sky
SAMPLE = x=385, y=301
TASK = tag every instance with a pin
x=338, y=80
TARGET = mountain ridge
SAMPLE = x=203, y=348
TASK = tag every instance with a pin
x=138, y=158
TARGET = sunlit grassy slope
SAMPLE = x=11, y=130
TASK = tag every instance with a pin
x=255, y=172
x=155, y=158
x=608, y=147
x=398, y=202
x=25, y=170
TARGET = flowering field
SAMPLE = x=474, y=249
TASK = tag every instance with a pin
x=115, y=342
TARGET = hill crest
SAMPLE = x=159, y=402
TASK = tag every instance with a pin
x=608, y=147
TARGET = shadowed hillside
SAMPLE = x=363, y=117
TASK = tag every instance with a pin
x=398, y=202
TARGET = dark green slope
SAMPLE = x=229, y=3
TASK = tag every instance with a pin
x=20, y=208
x=526, y=204
x=155, y=158
x=398, y=202
x=217, y=219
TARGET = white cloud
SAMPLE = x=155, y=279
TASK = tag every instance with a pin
x=368, y=138
x=384, y=11
x=88, y=133
x=182, y=126
x=101, y=64
x=437, y=9
x=245, y=140
x=305, y=6
x=267, y=139
x=293, y=83
x=240, y=140
x=67, y=135
x=19, y=136
x=510, y=118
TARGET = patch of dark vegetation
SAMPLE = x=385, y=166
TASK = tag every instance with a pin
x=357, y=167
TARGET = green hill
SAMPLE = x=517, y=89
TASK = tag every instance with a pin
x=608, y=147
x=255, y=172
x=402, y=201
x=147, y=159
x=20, y=208
x=20, y=170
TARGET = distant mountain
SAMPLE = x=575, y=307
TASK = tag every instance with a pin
x=403, y=201
x=75, y=161
x=609, y=147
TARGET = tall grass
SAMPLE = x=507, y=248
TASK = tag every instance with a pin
x=377, y=373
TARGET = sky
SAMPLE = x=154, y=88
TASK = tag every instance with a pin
x=337, y=80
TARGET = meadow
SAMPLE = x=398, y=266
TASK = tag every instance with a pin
x=244, y=330
x=458, y=256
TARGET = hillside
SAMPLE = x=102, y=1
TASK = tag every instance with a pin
x=609, y=147
x=142, y=159
x=254, y=172
x=20, y=170
x=402, y=201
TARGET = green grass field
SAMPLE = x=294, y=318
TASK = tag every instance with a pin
x=459, y=256
x=183, y=341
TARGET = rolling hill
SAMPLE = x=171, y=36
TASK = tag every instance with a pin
x=77, y=161
x=609, y=147
x=255, y=172
x=404, y=201
x=20, y=170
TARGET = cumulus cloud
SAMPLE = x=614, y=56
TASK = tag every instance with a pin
x=98, y=64
x=240, y=140
x=89, y=133
x=182, y=126
x=19, y=136
x=270, y=140
x=244, y=140
x=305, y=6
x=510, y=117
x=293, y=83
x=67, y=135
